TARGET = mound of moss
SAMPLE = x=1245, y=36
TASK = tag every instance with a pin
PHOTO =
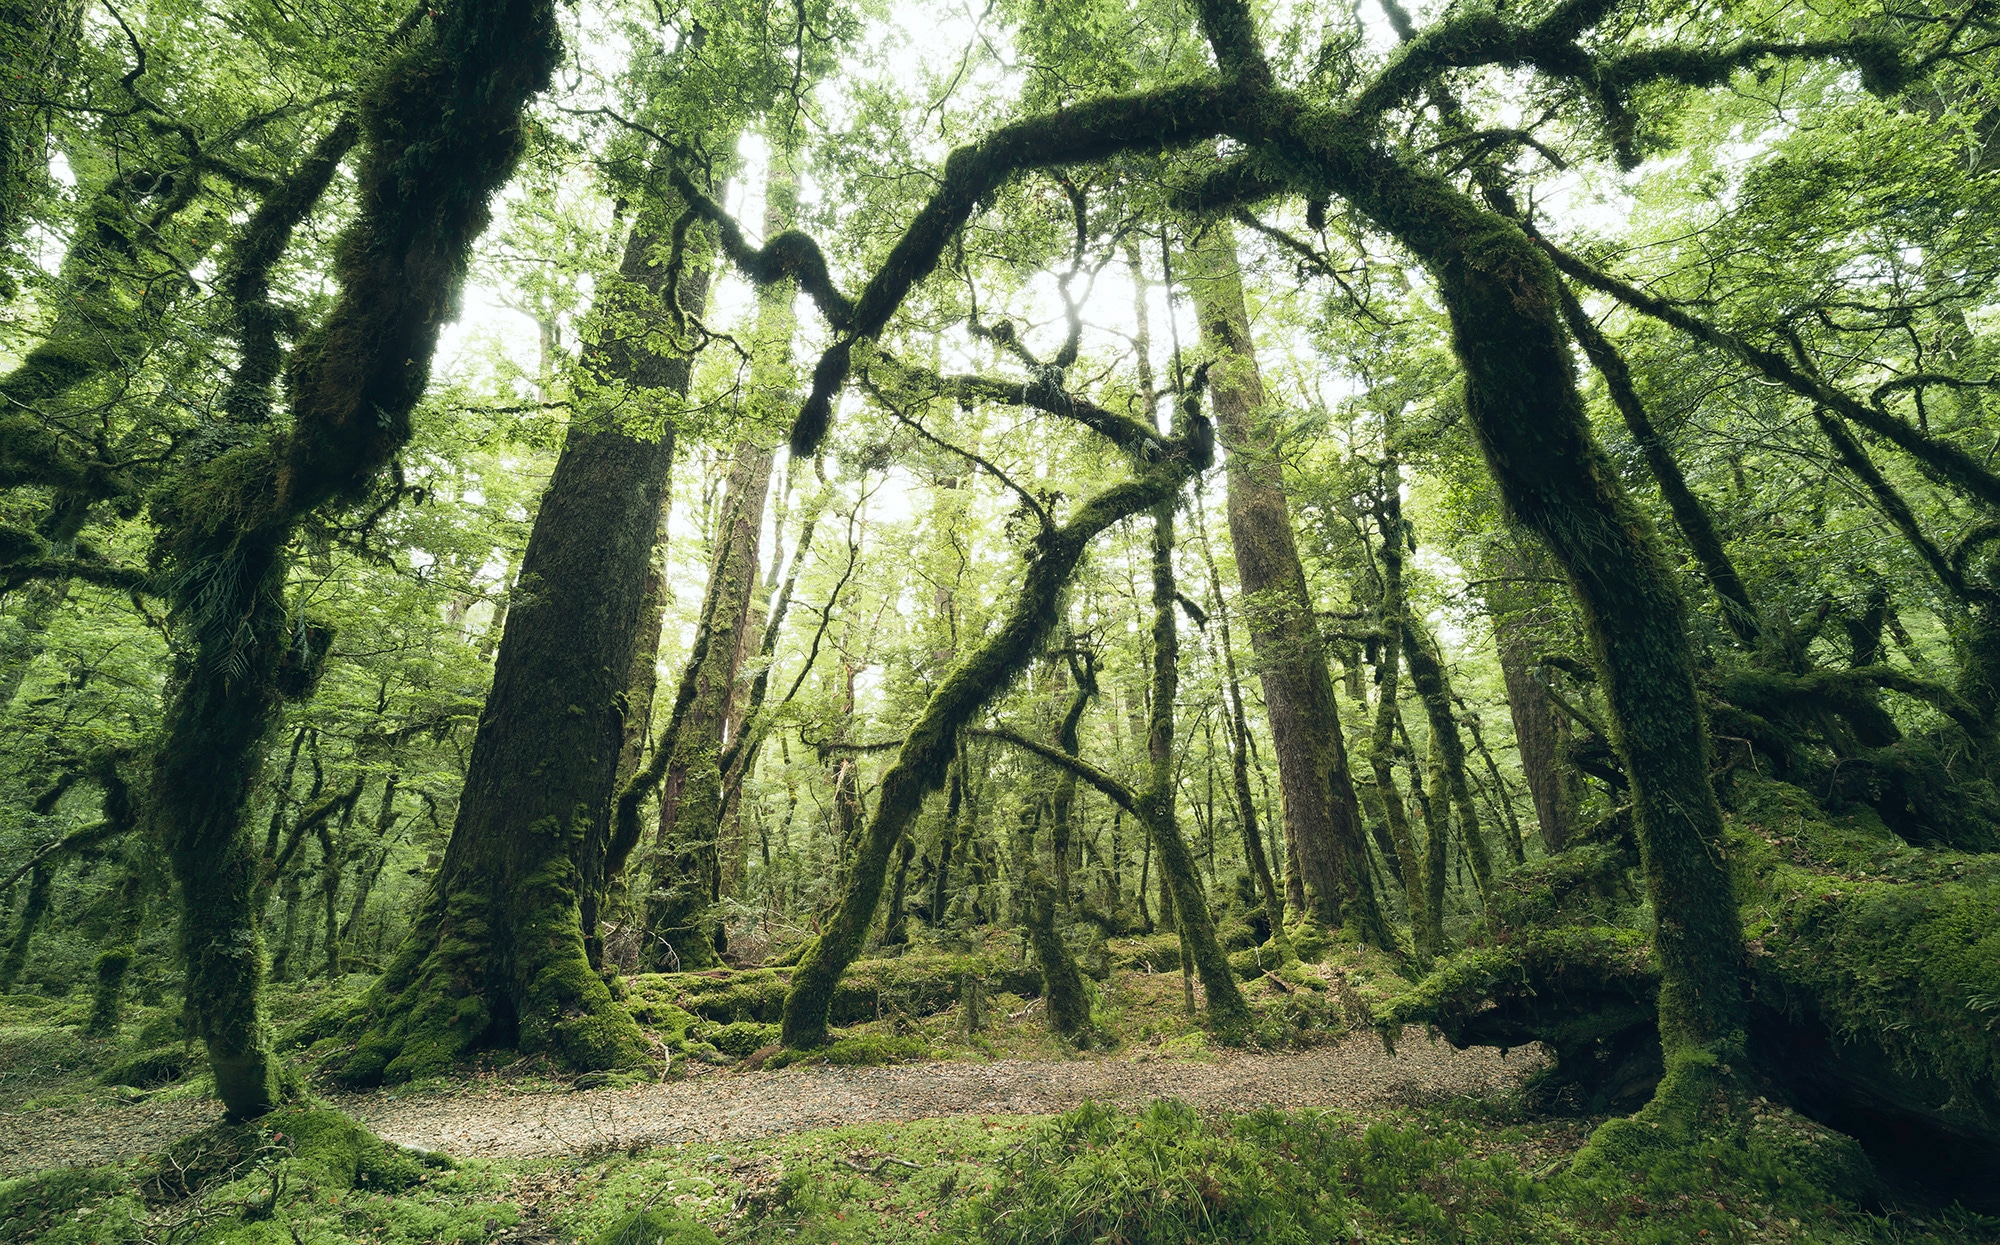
x=70, y=1204
x=655, y=1227
x=1168, y=1175
x=1875, y=967
x=150, y=1069
x=915, y=985
x=323, y=1149
x=858, y=1050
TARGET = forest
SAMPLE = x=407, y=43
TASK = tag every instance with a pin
x=1098, y=621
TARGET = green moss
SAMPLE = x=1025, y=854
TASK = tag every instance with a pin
x=742, y=1038
x=1893, y=949
x=35, y=1205
x=323, y=1149
x=914, y=985
x=152, y=1069
x=861, y=1050
x=1584, y=885
x=654, y=1227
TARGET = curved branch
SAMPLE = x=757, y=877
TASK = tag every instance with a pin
x=1117, y=792
x=1941, y=458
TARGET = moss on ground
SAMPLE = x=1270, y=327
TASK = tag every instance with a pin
x=1469, y=1172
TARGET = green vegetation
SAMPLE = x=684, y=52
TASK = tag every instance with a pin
x=560, y=546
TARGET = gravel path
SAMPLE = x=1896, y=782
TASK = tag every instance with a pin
x=1354, y=1074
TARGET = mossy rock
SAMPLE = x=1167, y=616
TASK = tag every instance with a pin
x=863, y=1050
x=741, y=1039
x=153, y=1068
x=654, y=1227
x=325, y=1148
x=916, y=985
x=1155, y=953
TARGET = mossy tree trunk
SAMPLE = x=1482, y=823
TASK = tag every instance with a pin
x=685, y=864
x=1426, y=927
x=1320, y=805
x=496, y=953
x=931, y=743
x=455, y=95
x=1427, y=673
x=1504, y=301
x=1515, y=591
x=1192, y=920
x=34, y=908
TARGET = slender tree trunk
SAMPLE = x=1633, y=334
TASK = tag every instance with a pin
x=1503, y=799
x=1427, y=673
x=41, y=882
x=1516, y=602
x=685, y=864
x=1320, y=804
x=1226, y=1008
x=1237, y=733
x=1425, y=928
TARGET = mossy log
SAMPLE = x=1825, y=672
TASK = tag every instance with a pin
x=1872, y=970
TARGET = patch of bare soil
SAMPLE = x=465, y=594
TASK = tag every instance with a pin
x=1355, y=1074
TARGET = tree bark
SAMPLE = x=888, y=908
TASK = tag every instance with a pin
x=496, y=954
x=685, y=864
x=1516, y=603
x=453, y=99
x=1320, y=805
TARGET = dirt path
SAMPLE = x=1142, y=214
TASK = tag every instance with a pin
x=1355, y=1074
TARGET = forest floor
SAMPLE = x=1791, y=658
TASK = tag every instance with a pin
x=489, y=1118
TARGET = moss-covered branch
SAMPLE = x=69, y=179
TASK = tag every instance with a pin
x=931, y=743
x=1948, y=462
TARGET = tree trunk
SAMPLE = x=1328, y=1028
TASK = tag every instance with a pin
x=496, y=953
x=1515, y=602
x=1237, y=732
x=1426, y=930
x=685, y=864
x=1319, y=800
x=455, y=96
x=1447, y=746
x=41, y=880
x=1226, y=1008
x=1503, y=298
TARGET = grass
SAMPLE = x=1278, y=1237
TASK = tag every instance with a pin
x=1166, y=1175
